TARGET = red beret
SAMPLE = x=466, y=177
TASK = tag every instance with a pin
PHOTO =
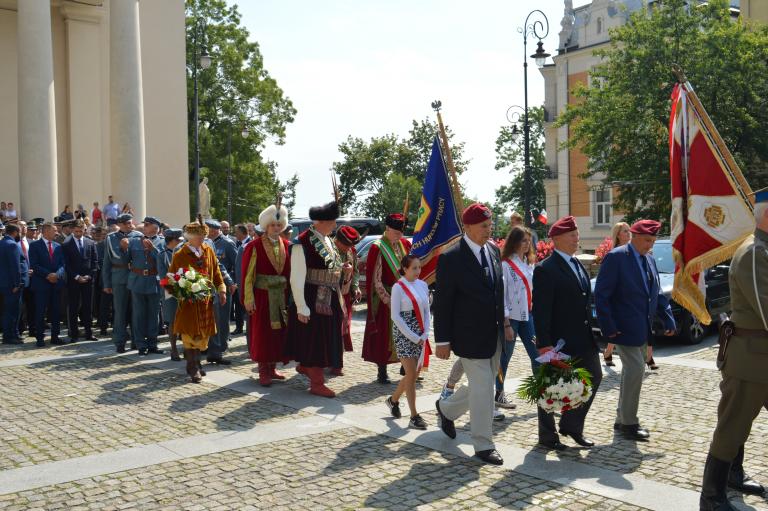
x=562, y=226
x=650, y=227
x=475, y=213
x=348, y=235
x=396, y=221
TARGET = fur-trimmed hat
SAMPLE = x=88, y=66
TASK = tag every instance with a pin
x=273, y=214
x=329, y=211
x=196, y=228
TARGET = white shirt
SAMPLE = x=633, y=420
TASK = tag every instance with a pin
x=475, y=248
x=10, y=214
x=576, y=269
x=515, y=294
x=402, y=303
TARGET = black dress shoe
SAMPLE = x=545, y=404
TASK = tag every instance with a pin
x=143, y=352
x=58, y=342
x=237, y=331
x=218, y=360
x=491, y=456
x=635, y=432
x=155, y=350
x=120, y=349
x=40, y=344
x=557, y=445
x=71, y=340
x=13, y=341
x=579, y=439
x=448, y=427
x=91, y=338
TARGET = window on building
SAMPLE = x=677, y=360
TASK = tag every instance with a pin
x=599, y=25
x=603, y=207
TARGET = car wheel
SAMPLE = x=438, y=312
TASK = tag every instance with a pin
x=692, y=331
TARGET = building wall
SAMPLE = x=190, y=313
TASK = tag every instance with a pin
x=756, y=10
x=80, y=36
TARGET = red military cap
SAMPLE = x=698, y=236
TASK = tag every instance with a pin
x=475, y=213
x=562, y=226
x=395, y=221
x=348, y=235
x=650, y=227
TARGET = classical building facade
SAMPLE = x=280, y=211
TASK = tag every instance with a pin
x=94, y=103
x=582, y=31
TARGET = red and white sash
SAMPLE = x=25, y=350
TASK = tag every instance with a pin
x=426, y=351
x=522, y=276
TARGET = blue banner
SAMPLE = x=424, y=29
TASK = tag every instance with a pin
x=438, y=222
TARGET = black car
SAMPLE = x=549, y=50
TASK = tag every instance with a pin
x=364, y=225
x=689, y=329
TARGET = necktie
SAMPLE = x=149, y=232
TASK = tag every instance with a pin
x=644, y=262
x=24, y=250
x=486, y=269
x=80, y=246
x=582, y=280
x=50, y=251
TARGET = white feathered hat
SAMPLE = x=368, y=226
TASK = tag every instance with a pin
x=272, y=214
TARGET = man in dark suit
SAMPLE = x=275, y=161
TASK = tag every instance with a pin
x=469, y=320
x=47, y=262
x=81, y=263
x=13, y=275
x=561, y=309
x=627, y=297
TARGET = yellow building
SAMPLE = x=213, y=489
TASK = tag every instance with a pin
x=94, y=103
x=754, y=9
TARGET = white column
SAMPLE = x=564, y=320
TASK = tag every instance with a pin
x=37, y=114
x=126, y=105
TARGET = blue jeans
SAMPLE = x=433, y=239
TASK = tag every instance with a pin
x=525, y=330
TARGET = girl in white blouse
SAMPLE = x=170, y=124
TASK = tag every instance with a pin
x=409, y=306
x=517, y=259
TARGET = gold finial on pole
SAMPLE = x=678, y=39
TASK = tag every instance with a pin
x=679, y=73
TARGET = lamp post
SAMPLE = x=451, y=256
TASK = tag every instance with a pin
x=539, y=28
x=204, y=60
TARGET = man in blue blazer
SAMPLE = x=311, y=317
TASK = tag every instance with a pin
x=627, y=297
x=46, y=259
x=13, y=273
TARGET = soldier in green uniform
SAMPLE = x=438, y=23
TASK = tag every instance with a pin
x=144, y=284
x=743, y=362
x=115, y=277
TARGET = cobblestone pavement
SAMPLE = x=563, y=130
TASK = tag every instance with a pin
x=64, y=408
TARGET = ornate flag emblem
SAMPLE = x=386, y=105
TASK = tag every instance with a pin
x=424, y=212
x=715, y=216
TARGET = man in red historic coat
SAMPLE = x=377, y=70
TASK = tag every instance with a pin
x=266, y=269
x=346, y=238
x=381, y=273
x=315, y=318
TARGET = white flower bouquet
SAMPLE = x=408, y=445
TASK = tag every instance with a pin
x=188, y=285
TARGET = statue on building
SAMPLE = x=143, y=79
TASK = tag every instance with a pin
x=566, y=24
x=205, y=198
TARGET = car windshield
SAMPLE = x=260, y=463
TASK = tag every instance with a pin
x=662, y=253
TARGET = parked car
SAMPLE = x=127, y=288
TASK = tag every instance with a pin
x=364, y=225
x=689, y=328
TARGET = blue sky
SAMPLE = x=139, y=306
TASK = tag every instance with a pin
x=366, y=68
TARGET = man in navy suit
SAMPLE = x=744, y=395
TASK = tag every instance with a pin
x=81, y=263
x=627, y=297
x=561, y=310
x=13, y=273
x=47, y=262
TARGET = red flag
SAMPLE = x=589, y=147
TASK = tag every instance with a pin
x=542, y=218
x=711, y=212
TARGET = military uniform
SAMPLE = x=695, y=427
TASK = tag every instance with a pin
x=226, y=253
x=144, y=285
x=745, y=379
x=115, y=276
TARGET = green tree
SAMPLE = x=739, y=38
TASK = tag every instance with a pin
x=621, y=121
x=510, y=157
x=374, y=176
x=235, y=93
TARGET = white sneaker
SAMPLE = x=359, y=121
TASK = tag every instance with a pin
x=502, y=401
x=497, y=415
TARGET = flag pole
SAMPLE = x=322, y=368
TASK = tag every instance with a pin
x=731, y=167
x=436, y=105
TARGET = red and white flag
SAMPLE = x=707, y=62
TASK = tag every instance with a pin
x=711, y=209
x=542, y=218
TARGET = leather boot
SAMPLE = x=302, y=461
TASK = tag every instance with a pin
x=713, y=489
x=740, y=481
x=265, y=374
x=382, y=376
x=193, y=365
x=274, y=374
x=337, y=371
x=317, y=382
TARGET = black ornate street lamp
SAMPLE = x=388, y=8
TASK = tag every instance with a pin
x=538, y=28
x=204, y=61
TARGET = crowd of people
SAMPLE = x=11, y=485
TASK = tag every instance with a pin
x=295, y=301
